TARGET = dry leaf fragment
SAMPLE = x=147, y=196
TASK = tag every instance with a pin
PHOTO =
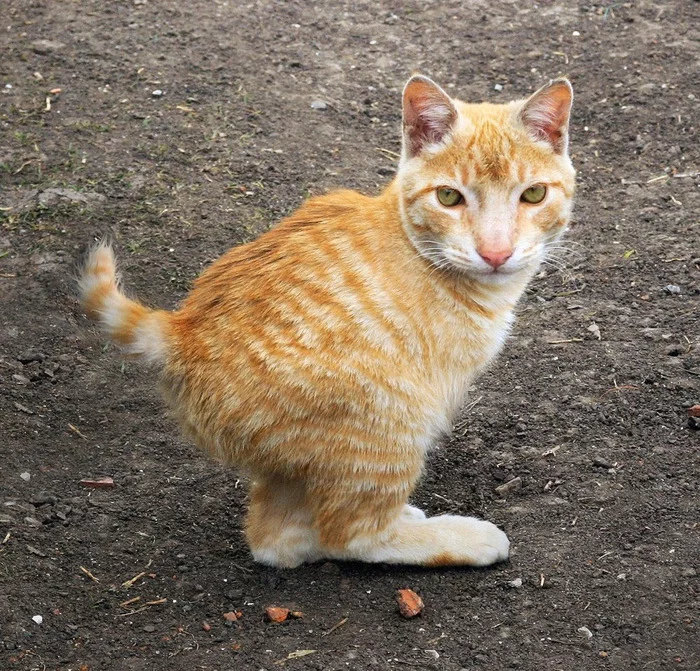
x=130, y=583
x=694, y=411
x=410, y=604
x=89, y=574
x=300, y=653
x=100, y=483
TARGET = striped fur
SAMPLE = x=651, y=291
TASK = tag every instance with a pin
x=327, y=356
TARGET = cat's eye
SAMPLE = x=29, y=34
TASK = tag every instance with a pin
x=449, y=197
x=535, y=194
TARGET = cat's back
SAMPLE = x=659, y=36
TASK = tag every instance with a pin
x=325, y=270
x=292, y=245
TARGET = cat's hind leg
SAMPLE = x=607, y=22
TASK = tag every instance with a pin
x=279, y=526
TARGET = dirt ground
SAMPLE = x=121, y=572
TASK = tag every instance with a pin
x=182, y=128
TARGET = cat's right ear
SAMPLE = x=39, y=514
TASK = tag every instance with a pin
x=428, y=115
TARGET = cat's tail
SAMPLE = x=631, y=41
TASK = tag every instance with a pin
x=140, y=331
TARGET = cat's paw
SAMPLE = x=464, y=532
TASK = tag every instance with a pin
x=487, y=543
x=469, y=541
x=412, y=513
x=276, y=559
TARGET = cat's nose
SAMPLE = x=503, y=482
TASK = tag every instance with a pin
x=495, y=257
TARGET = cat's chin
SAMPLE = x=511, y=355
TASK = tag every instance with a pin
x=497, y=278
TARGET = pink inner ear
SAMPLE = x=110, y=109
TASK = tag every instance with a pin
x=546, y=114
x=428, y=114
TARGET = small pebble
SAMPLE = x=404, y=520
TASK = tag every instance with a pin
x=276, y=614
x=26, y=476
x=35, y=551
x=602, y=463
x=319, y=105
x=498, y=87
x=38, y=619
x=149, y=628
x=515, y=584
x=672, y=289
x=31, y=355
x=595, y=330
x=157, y=93
x=46, y=46
x=410, y=604
x=585, y=631
x=40, y=498
x=510, y=486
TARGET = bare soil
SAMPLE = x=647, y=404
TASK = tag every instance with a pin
x=182, y=128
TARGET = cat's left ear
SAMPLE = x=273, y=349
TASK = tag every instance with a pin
x=428, y=114
x=545, y=114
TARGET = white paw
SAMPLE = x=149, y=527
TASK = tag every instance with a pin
x=471, y=541
x=412, y=513
x=487, y=543
x=292, y=547
x=271, y=557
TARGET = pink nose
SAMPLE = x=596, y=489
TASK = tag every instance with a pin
x=495, y=257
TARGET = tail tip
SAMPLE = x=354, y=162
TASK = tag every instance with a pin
x=97, y=278
x=100, y=260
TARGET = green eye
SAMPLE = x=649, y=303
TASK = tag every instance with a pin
x=535, y=194
x=449, y=197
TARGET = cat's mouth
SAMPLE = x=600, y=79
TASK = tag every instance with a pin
x=471, y=265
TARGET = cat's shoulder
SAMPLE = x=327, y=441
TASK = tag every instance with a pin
x=332, y=205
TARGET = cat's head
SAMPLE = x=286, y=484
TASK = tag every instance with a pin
x=485, y=189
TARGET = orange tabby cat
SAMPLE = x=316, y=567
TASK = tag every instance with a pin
x=327, y=356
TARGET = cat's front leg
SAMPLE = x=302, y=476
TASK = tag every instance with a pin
x=376, y=525
x=447, y=540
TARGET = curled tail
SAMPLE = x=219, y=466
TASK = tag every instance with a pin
x=140, y=331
